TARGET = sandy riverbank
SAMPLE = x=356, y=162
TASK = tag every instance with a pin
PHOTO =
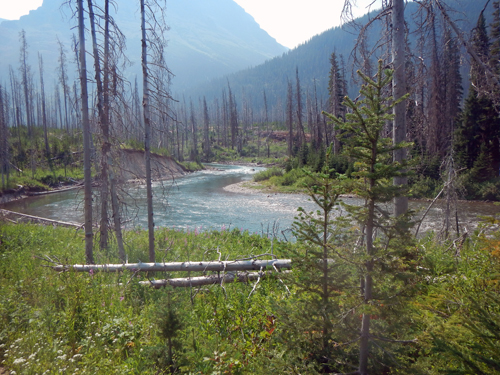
x=245, y=187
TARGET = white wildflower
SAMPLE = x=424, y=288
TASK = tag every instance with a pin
x=18, y=361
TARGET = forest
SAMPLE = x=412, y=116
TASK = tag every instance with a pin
x=362, y=291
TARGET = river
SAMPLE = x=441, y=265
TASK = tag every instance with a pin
x=199, y=201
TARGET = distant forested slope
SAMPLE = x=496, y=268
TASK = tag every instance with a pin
x=312, y=60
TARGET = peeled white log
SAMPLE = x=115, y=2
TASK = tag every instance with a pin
x=187, y=282
x=238, y=265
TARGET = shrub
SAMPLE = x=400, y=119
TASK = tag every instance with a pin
x=291, y=177
x=267, y=174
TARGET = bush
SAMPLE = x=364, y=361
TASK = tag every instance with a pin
x=339, y=163
x=267, y=174
x=487, y=190
x=291, y=177
x=192, y=166
x=424, y=187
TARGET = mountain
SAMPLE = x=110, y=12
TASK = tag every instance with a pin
x=207, y=39
x=312, y=59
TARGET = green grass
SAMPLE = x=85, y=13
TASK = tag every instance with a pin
x=43, y=179
x=105, y=323
x=90, y=324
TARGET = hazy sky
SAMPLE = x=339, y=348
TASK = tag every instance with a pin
x=289, y=22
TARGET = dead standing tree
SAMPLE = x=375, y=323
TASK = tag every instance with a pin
x=152, y=30
x=4, y=140
x=398, y=91
x=86, y=138
x=112, y=52
x=44, y=112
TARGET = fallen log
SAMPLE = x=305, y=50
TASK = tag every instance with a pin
x=36, y=219
x=221, y=266
x=186, y=282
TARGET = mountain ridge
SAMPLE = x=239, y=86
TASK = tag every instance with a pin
x=202, y=41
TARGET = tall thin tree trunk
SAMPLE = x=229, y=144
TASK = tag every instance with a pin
x=115, y=206
x=103, y=122
x=86, y=140
x=44, y=113
x=4, y=136
x=399, y=88
x=367, y=283
x=25, y=79
x=147, y=134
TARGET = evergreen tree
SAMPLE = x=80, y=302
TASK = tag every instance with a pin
x=336, y=93
x=478, y=136
x=339, y=321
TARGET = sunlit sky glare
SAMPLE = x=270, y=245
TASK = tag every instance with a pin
x=290, y=22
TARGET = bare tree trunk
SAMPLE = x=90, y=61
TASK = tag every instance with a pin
x=147, y=134
x=289, y=118
x=103, y=122
x=206, y=130
x=367, y=283
x=300, y=127
x=116, y=213
x=25, y=73
x=63, y=78
x=266, y=120
x=44, y=113
x=4, y=136
x=203, y=266
x=399, y=88
x=89, y=255
x=86, y=140
x=194, y=147
x=106, y=135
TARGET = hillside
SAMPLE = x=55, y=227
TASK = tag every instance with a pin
x=312, y=60
x=207, y=39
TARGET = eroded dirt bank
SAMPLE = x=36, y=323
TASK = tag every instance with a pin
x=162, y=167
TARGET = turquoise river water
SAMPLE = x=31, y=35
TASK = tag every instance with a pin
x=199, y=200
